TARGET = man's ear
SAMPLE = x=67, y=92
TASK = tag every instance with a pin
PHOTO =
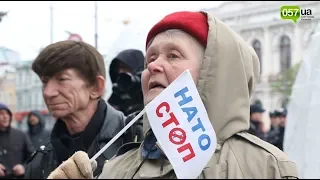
x=98, y=88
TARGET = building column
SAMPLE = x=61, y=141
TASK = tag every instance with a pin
x=266, y=58
x=297, y=45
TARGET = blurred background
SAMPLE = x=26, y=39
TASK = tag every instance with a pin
x=27, y=27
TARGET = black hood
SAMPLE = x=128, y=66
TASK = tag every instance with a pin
x=131, y=57
x=5, y=107
x=40, y=125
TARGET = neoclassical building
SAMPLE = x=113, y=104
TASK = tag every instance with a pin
x=29, y=96
x=278, y=43
x=8, y=58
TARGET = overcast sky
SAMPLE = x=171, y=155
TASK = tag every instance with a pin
x=26, y=29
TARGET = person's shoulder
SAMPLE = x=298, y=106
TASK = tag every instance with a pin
x=17, y=132
x=46, y=132
x=46, y=145
x=132, y=116
x=40, y=160
x=256, y=143
x=128, y=147
x=115, y=114
x=250, y=148
x=113, y=122
x=44, y=149
x=125, y=157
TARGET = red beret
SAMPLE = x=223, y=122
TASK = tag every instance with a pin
x=193, y=23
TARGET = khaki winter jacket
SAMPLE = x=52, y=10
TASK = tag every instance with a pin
x=228, y=74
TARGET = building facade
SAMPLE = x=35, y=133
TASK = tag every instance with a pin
x=8, y=59
x=28, y=85
x=8, y=86
x=8, y=56
x=278, y=43
x=29, y=95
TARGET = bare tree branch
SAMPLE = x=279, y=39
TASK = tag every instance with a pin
x=2, y=14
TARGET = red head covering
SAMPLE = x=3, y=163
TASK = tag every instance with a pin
x=193, y=23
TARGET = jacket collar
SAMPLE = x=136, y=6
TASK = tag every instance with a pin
x=114, y=121
x=66, y=144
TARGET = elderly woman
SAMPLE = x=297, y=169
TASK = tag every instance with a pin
x=225, y=70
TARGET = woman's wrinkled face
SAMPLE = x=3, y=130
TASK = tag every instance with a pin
x=65, y=93
x=169, y=54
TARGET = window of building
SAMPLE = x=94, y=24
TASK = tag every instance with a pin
x=19, y=79
x=30, y=100
x=19, y=102
x=4, y=97
x=26, y=100
x=285, y=53
x=35, y=100
x=256, y=44
x=1, y=97
x=10, y=101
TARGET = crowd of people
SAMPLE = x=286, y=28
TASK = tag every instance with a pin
x=17, y=146
x=273, y=134
x=224, y=68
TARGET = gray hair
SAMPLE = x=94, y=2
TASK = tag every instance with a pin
x=177, y=32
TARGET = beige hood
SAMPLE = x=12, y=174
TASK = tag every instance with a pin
x=228, y=74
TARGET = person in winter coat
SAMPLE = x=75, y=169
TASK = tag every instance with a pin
x=225, y=69
x=274, y=136
x=125, y=74
x=37, y=132
x=73, y=77
x=282, y=127
x=15, y=147
x=256, y=122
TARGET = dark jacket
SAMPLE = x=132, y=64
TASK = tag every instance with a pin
x=37, y=133
x=274, y=136
x=126, y=91
x=15, y=146
x=281, y=135
x=48, y=157
x=255, y=130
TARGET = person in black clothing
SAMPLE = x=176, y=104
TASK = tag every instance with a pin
x=125, y=74
x=274, y=132
x=275, y=118
x=15, y=147
x=37, y=131
x=73, y=76
x=256, y=115
x=282, y=126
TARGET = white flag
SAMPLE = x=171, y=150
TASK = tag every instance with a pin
x=182, y=127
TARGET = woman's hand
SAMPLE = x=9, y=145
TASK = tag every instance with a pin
x=78, y=166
